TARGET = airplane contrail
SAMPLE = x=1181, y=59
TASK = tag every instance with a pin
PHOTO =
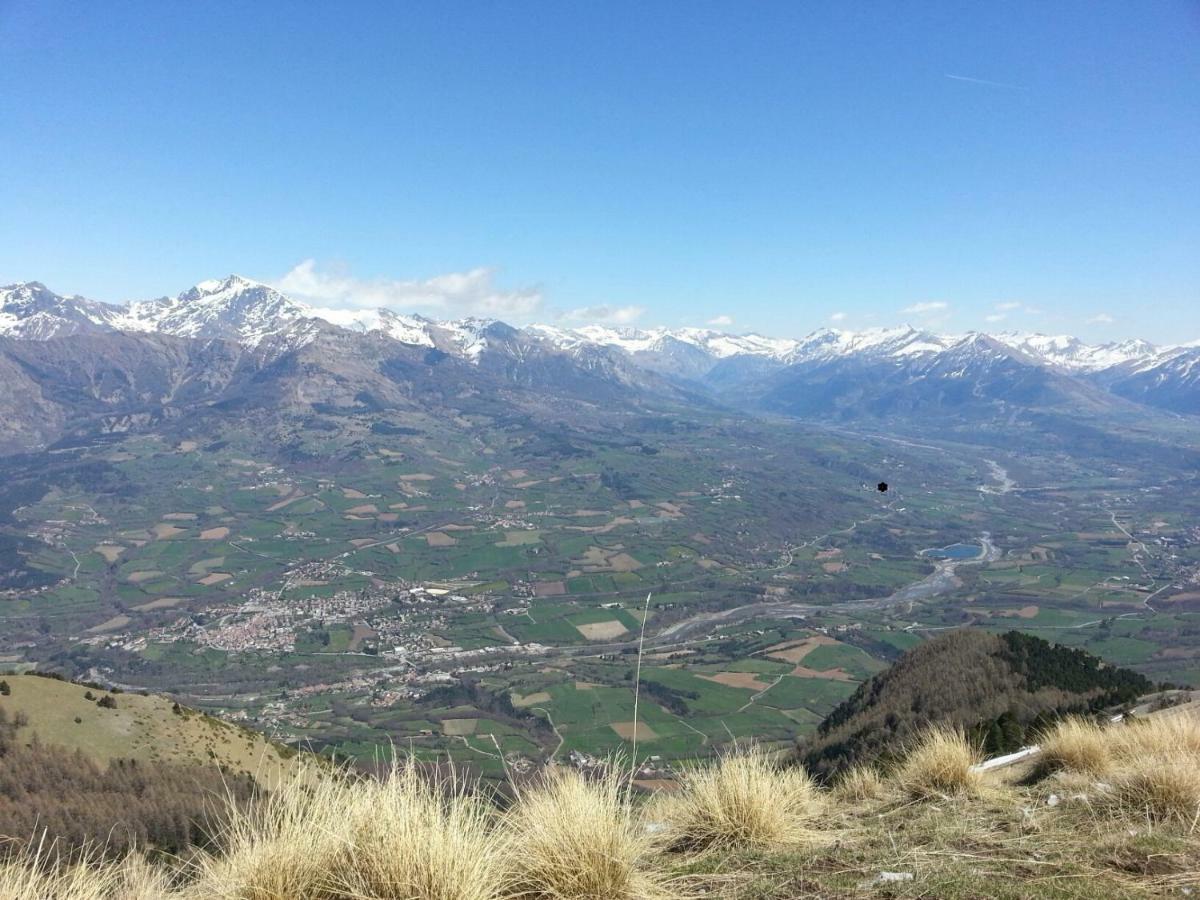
x=999, y=84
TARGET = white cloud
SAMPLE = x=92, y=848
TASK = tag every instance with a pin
x=1101, y=319
x=614, y=315
x=721, y=320
x=1005, y=307
x=929, y=306
x=995, y=317
x=837, y=317
x=460, y=293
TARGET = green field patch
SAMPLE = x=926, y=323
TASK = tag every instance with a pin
x=820, y=695
x=901, y=640
x=849, y=659
x=520, y=539
x=1122, y=651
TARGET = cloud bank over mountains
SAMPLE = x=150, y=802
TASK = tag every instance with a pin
x=470, y=293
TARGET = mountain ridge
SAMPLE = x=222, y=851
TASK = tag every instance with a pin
x=828, y=374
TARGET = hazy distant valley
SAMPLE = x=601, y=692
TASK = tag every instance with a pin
x=389, y=528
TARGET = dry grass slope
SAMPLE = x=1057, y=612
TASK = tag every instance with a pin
x=1076, y=745
x=744, y=801
x=574, y=838
x=941, y=765
x=741, y=829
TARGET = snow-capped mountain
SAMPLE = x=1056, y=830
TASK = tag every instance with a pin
x=234, y=308
x=1169, y=379
x=30, y=311
x=247, y=312
x=1073, y=354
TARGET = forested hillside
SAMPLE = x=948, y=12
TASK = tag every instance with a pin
x=1000, y=688
x=127, y=803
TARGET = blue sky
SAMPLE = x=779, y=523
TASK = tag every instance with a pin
x=774, y=166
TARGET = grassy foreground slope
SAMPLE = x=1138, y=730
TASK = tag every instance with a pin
x=933, y=826
x=135, y=727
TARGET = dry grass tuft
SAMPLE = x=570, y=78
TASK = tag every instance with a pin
x=36, y=873
x=573, y=838
x=399, y=837
x=860, y=783
x=743, y=801
x=940, y=766
x=1160, y=788
x=1077, y=745
x=284, y=848
x=1167, y=733
x=408, y=837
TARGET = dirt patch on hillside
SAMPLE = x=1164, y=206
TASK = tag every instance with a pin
x=549, y=589
x=623, y=562
x=285, y=502
x=163, y=531
x=601, y=529
x=365, y=509
x=530, y=699
x=747, y=680
x=214, y=534
x=162, y=603
x=459, y=727
x=625, y=730
x=110, y=552
x=833, y=568
x=586, y=685
x=180, y=517
x=214, y=578
x=602, y=631
x=110, y=625
x=837, y=674
x=418, y=476
x=519, y=538
x=352, y=494
x=139, y=577
x=205, y=565
x=795, y=651
x=830, y=553
x=439, y=539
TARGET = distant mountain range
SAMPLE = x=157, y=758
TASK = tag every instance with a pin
x=235, y=341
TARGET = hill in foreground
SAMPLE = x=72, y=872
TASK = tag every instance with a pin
x=105, y=726
x=1112, y=815
x=999, y=688
x=81, y=766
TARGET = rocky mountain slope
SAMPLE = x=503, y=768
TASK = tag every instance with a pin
x=66, y=361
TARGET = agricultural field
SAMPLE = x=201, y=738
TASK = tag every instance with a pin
x=490, y=599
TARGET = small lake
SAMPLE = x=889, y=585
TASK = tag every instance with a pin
x=954, y=551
